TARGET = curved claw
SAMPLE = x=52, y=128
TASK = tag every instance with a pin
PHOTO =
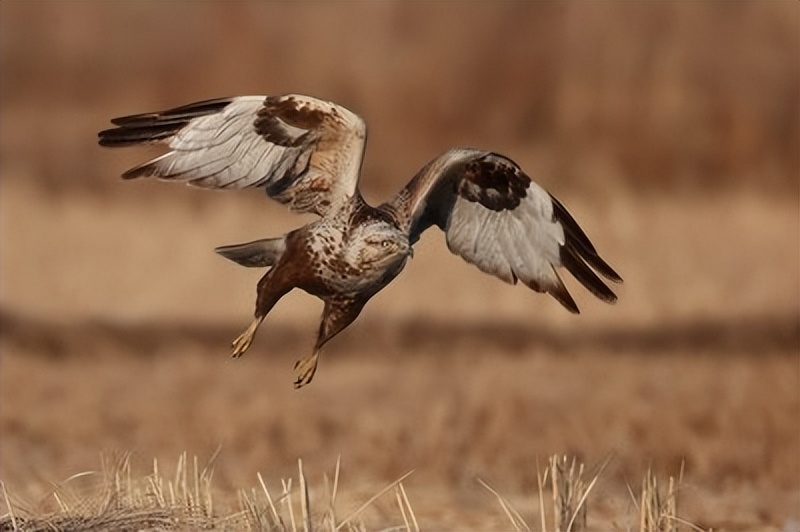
x=243, y=341
x=305, y=369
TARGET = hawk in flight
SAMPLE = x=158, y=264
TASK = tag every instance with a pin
x=307, y=154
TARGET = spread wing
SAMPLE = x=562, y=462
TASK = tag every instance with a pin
x=495, y=217
x=305, y=152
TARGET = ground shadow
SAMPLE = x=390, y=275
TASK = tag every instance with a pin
x=749, y=335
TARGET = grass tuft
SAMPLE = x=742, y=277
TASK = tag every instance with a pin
x=570, y=489
x=120, y=500
x=184, y=501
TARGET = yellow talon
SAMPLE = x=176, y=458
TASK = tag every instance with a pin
x=305, y=369
x=243, y=341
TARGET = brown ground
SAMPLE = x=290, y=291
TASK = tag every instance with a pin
x=672, y=137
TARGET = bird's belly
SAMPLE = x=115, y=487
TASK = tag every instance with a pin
x=336, y=278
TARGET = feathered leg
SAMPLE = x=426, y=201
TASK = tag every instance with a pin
x=338, y=314
x=271, y=288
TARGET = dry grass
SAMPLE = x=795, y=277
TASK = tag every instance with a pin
x=670, y=131
x=115, y=347
x=185, y=500
x=658, y=511
x=570, y=490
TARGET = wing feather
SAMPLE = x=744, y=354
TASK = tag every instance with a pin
x=304, y=152
x=495, y=217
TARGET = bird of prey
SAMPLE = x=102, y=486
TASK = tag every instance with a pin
x=307, y=153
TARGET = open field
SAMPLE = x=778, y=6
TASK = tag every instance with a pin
x=696, y=363
x=672, y=137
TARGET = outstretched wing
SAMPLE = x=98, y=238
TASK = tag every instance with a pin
x=495, y=217
x=305, y=152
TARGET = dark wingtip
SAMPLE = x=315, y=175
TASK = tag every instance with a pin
x=559, y=292
x=131, y=135
x=155, y=127
x=137, y=171
x=576, y=238
x=107, y=138
x=563, y=296
x=573, y=261
x=580, y=257
x=602, y=267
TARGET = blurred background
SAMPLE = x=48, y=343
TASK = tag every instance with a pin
x=669, y=129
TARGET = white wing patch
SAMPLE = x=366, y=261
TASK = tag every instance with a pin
x=495, y=217
x=306, y=152
x=522, y=243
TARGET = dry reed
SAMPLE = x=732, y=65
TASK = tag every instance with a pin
x=184, y=501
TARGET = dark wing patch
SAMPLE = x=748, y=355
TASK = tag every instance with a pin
x=495, y=217
x=295, y=113
x=277, y=113
x=494, y=183
x=305, y=152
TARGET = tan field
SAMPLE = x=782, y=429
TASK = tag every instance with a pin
x=669, y=131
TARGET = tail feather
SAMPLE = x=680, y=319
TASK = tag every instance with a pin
x=257, y=254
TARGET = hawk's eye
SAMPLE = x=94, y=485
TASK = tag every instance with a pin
x=385, y=243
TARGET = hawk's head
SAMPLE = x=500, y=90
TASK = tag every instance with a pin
x=377, y=246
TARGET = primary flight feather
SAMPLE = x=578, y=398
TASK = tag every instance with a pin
x=307, y=154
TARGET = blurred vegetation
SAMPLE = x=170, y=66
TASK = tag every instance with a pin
x=116, y=316
x=654, y=96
